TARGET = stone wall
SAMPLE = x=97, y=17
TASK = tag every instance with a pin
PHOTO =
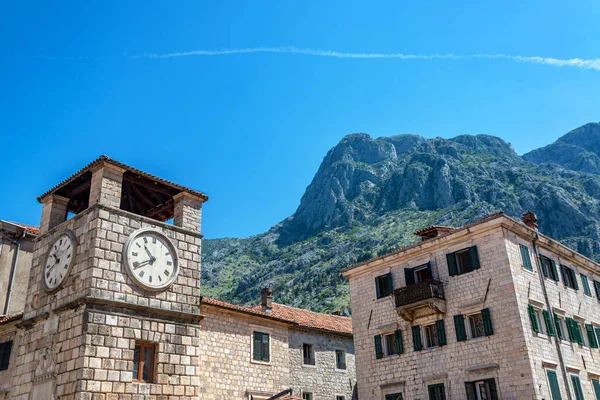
x=502, y=356
x=323, y=379
x=227, y=370
x=9, y=332
x=21, y=274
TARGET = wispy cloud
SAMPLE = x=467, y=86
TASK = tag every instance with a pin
x=593, y=64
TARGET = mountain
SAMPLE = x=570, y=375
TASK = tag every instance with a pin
x=578, y=150
x=369, y=195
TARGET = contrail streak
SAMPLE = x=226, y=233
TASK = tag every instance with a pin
x=593, y=64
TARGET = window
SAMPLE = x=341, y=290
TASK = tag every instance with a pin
x=261, y=346
x=536, y=321
x=569, y=277
x=390, y=345
x=473, y=325
x=340, y=398
x=574, y=331
x=419, y=274
x=308, y=351
x=591, y=336
x=577, y=387
x=143, y=362
x=340, y=359
x=553, y=383
x=307, y=396
x=586, y=285
x=481, y=390
x=431, y=337
x=548, y=268
x=436, y=392
x=596, y=385
x=597, y=289
x=383, y=285
x=559, y=324
x=463, y=261
x=393, y=396
x=525, y=257
x=597, y=330
x=5, y=349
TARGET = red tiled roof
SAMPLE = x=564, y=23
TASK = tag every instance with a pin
x=433, y=228
x=34, y=230
x=310, y=319
x=294, y=316
x=10, y=318
x=106, y=159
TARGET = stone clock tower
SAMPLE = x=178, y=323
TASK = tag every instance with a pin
x=114, y=292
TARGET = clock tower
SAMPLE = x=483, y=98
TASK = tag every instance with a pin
x=113, y=303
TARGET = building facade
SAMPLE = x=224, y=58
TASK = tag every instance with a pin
x=491, y=310
x=111, y=305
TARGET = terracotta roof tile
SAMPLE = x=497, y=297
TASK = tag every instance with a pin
x=310, y=319
x=295, y=316
x=136, y=171
x=34, y=230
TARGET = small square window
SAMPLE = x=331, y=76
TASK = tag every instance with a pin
x=340, y=359
x=390, y=345
x=340, y=397
x=476, y=327
x=308, y=352
x=431, y=336
x=143, y=362
x=393, y=396
x=307, y=396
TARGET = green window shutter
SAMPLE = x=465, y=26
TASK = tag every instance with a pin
x=488, y=328
x=591, y=336
x=441, y=332
x=586, y=285
x=459, y=327
x=525, y=257
x=570, y=331
x=564, y=272
x=409, y=276
x=257, y=353
x=399, y=344
x=554, y=270
x=265, y=347
x=378, y=347
x=558, y=326
x=389, y=283
x=377, y=288
x=574, y=277
x=493, y=390
x=597, y=289
x=416, y=334
x=597, y=330
x=577, y=387
x=534, y=322
x=596, y=385
x=544, y=266
x=474, y=256
x=452, y=270
x=554, y=388
x=549, y=324
x=470, y=388
x=429, y=269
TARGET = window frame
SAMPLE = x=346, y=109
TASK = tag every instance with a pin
x=456, y=267
x=549, y=268
x=262, y=332
x=524, y=249
x=569, y=277
x=142, y=362
x=337, y=364
x=563, y=326
x=432, y=328
x=585, y=282
x=393, y=396
x=4, y=357
x=311, y=356
x=435, y=387
x=307, y=395
x=548, y=372
x=386, y=345
x=489, y=385
x=470, y=335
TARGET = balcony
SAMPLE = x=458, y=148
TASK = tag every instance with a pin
x=420, y=300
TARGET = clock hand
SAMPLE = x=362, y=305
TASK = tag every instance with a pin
x=152, y=258
x=143, y=263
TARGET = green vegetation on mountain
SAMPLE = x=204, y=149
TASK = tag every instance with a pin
x=369, y=196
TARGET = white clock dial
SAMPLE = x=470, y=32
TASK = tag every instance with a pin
x=151, y=259
x=59, y=260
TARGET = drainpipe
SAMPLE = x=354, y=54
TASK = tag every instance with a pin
x=13, y=269
x=561, y=361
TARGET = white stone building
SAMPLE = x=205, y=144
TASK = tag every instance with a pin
x=108, y=307
x=491, y=310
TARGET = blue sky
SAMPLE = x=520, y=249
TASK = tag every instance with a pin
x=78, y=79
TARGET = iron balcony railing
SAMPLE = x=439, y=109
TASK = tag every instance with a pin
x=417, y=292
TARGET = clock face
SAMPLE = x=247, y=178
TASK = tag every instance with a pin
x=151, y=259
x=59, y=260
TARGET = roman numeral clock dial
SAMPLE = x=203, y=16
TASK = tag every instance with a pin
x=59, y=260
x=150, y=259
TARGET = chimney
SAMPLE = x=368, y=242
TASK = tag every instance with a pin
x=267, y=299
x=433, y=231
x=530, y=219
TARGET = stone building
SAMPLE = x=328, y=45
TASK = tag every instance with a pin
x=491, y=310
x=111, y=306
